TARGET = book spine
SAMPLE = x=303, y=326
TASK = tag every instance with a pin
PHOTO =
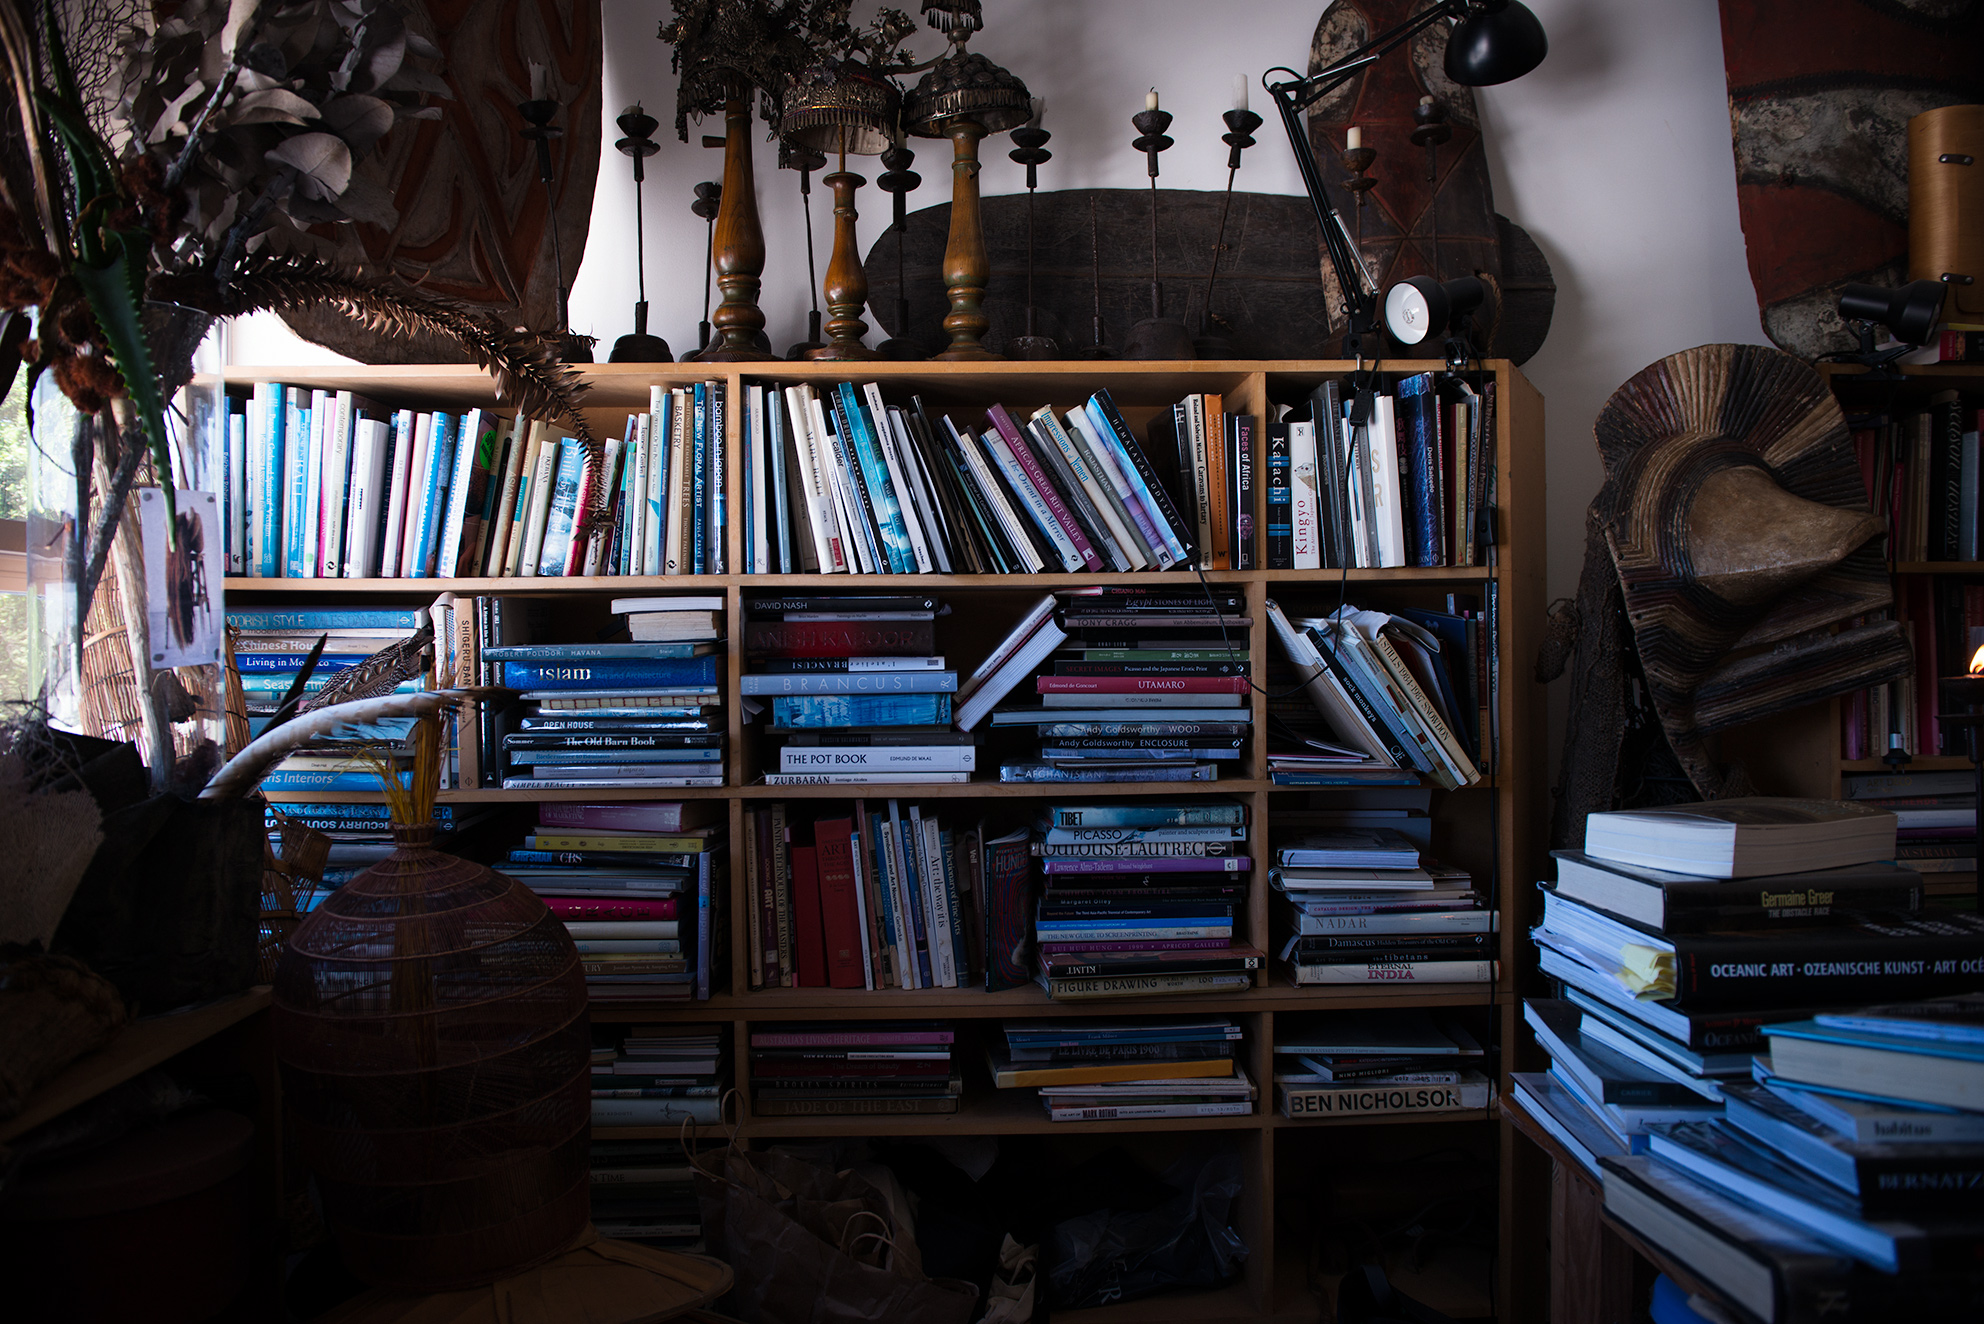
x=1141, y=685
x=1775, y=972
x=1246, y=541
x=839, y=915
x=879, y=758
x=1422, y=503
x=719, y=466
x=1040, y=489
x=660, y=674
x=1394, y=972
x=1380, y=1100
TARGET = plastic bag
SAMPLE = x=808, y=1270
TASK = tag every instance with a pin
x=1184, y=1241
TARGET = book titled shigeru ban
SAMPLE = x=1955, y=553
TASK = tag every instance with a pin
x=1743, y=838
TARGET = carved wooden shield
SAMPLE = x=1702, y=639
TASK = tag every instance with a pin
x=1428, y=214
x=474, y=223
x=1820, y=95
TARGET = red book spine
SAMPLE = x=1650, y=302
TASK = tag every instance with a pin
x=840, y=918
x=809, y=942
x=586, y=907
x=1141, y=684
x=767, y=900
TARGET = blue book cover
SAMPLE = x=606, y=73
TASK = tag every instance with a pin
x=852, y=682
x=285, y=779
x=881, y=492
x=912, y=884
x=381, y=814
x=278, y=682
x=705, y=898
x=434, y=494
x=249, y=664
x=1417, y=439
x=699, y=479
x=1198, y=813
x=328, y=618
x=272, y=498
x=600, y=652
x=781, y=522
x=564, y=507
x=1153, y=504
x=814, y=712
x=657, y=674
x=297, y=455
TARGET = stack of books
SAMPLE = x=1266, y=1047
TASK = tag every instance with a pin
x=1407, y=486
x=326, y=484
x=1365, y=1064
x=1100, y=1071
x=271, y=645
x=859, y=696
x=656, y=1075
x=809, y=1069
x=1846, y=1177
x=645, y=1190
x=890, y=895
x=619, y=715
x=1151, y=685
x=1140, y=900
x=1935, y=819
x=1403, y=690
x=1359, y=905
x=361, y=835
x=638, y=886
x=852, y=484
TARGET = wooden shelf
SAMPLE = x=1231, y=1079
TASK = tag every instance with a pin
x=854, y=1004
x=1400, y=1119
x=134, y=1049
x=1938, y=568
x=1920, y=763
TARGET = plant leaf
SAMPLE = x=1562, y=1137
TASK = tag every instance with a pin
x=321, y=160
x=113, y=291
x=359, y=120
x=276, y=105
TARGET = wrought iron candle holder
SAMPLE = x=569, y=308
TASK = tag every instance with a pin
x=899, y=181
x=1032, y=153
x=639, y=143
x=806, y=161
x=1357, y=163
x=1240, y=126
x=709, y=201
x=537, y=114
x=1429, y=130
x=1097, y=348
x=1157, y=336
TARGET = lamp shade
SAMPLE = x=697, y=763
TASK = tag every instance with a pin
x=1498, y=41
x=1419, y=310
x=843, y=108
x=966, y=85
x=1909, y=311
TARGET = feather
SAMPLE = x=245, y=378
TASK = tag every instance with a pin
x=378, y=674
x=245, y=770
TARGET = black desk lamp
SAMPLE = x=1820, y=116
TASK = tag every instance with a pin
x=1493, y=41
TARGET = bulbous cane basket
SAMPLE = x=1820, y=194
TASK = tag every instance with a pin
x=431, y=1023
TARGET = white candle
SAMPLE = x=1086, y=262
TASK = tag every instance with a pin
x=1150, y=99
x=1239, y=91
x=540, y=81
x=1353, y=138
x=1039, y=109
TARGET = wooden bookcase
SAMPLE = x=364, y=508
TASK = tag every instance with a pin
x=1494, y=828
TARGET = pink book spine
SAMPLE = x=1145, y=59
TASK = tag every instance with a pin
x=1161, y=945
x=1023, y=453
x=1141, y=685
x=659, y=816
x=585, y=907
x=1150, y=864
x=853, y=1039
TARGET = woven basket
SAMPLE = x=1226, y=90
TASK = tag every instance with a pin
x=431, y=1021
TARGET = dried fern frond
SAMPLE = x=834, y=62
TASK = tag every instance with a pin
x=529, y=375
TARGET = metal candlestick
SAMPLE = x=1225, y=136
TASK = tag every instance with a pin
x=639, y=143
x=1096, y=349
x=1032, y=153
x=1157, y=336
x=1357, y=162
x=537, y=114
x=899, y=181
x=709, y=201
x=1240, y=125
x=1429, y=130
x=805, y=160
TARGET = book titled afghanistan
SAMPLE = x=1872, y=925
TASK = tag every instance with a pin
x=1358, y=1099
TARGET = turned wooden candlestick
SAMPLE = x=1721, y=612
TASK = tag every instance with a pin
x=847, y=283
x=739, y=247
x=966, y=266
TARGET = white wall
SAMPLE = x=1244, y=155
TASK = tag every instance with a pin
x=1614, y=155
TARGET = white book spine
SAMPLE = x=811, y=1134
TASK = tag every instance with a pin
x=1303, y=496
x=885, y=440
x=417, y=480
x=878, y=758
x=855, y=526
x=1009, y=519
x=1081, y=430
x=635, y=559
x=940, y=887
x=368, y=463
x=936, y=530
x=396, y=497
x=597, y=543
x=1388, y=505
x=828, y=548
x=1119, y=533
x=337, y=485
x=654, y=550
x=1195, y=430
x=540, y=506
x=1043, y=517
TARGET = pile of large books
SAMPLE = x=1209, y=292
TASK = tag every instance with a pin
x=1935, y=820
x=1140, y=900
x=1101, y=1071
x=639, y=886
x=656, y=1075
x=362, y=834
x=890, y=895
x=858, y=693
x=840, y=481
x=1362, y=1064
x=325, y=484
x=1845, y=1177
x=645, y=1190
x=271, y=645
x=1404, y=477
x=1150, y=685
x=1357, y=905
x=1404, y=690
x=619, y=715
x=813, y=1069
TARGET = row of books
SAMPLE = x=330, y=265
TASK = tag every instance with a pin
x=1922, y=471
x=654, y=1075
x=840, y=481
x=1944, y=622
x=1397, y=477
x=808, y=1069
x=1379, y=1063
x=891, y=895
x=1119, y=1070
x=1400, y=690
x=644, y=1190
x=1142, y=899
x=1935, y=822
